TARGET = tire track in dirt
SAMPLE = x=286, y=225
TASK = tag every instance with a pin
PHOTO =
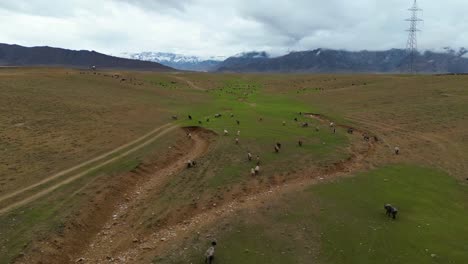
x=190, y=83
x=162, y=130
x=158, y=241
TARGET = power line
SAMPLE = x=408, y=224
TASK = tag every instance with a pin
x=412, y=44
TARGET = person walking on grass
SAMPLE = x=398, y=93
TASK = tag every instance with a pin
x=209, y=255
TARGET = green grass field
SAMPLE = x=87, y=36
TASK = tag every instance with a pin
x=344, y=222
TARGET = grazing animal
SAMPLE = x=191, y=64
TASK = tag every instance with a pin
x=276, y=149
x=174, y=117
x=232, y=115
x=238, y=122
x=332, y=124
x=350, y=130
x=299, y=143
x=207, y=120
x=284, y=123
x=209, y=254
x=191, y=163
x=238, y=132
x=226, y=132
x=278, y=144
x=199, y=122
x=391, y=211
x=317, y=129
x=237, y=141
x=258, y=160
x=189, y=135
x=190, y=117
x=397, y=151
x=366, y=137
x=217, y=115
x=305, y=124
x=295, y=119
x=249, y=156
x=257, y=170
x=252, y=172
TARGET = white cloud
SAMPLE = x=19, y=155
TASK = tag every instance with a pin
x=211, y=27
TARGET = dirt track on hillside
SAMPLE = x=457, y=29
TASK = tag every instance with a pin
x=29, y=198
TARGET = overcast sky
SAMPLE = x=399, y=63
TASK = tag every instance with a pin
x=227, y=27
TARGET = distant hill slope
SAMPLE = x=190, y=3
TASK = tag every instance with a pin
x=333, y=61
x=15, y=55
x=177, y=61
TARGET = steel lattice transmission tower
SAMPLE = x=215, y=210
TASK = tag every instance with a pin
x=412, y=44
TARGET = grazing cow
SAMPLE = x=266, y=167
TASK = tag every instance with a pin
x=257, y=170
x=174, y=117
x=391, y=211
x=190, y=117
x=305, y=124
x=299, y=143
x=350, y=130
x=397, y=151
x=238, y=122
x=249, y=156
x=226, y=132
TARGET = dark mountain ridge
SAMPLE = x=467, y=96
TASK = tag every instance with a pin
x=15, y=55
x=342, y=61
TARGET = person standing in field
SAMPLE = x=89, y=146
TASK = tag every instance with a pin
x=209, y=255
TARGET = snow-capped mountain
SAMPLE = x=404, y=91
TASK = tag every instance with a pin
x=178, y=61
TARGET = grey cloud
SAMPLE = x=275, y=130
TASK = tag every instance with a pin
x=159, y=5
x=214, y=27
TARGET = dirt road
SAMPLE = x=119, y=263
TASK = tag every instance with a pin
x=146, y=140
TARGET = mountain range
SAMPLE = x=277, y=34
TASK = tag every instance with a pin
x=15, y=55
x=341, y=61
x=177, y=61
x=312, y=61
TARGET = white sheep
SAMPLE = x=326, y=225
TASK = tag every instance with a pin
x=257, y=169
x=252, y=172
x=226, y=132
